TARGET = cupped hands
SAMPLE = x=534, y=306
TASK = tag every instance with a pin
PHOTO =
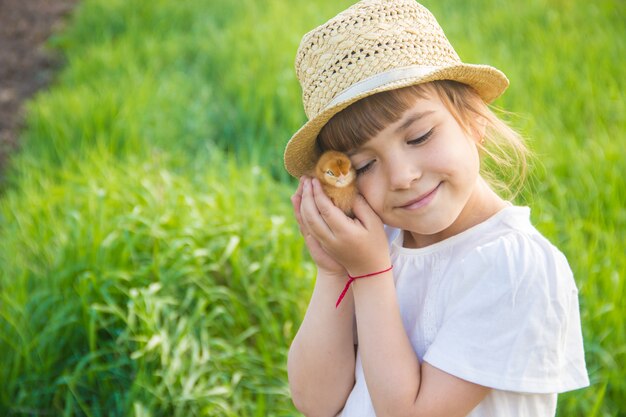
x=337, y=243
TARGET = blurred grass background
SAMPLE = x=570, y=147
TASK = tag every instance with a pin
x=149, y=262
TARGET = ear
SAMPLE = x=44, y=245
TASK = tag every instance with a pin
x=479, y=128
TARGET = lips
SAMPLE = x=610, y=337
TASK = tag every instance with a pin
x=422, y=200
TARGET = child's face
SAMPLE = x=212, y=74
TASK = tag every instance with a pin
x=421, y=173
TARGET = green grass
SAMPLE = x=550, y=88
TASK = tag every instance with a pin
x=149, y=263
x=127, y=286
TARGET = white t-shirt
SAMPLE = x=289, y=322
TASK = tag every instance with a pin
x=496, y=305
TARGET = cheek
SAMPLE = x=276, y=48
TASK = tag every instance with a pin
x=372, y=191
x=463, y=161
x=472, y=159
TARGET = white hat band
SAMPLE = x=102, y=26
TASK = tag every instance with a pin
x=381, y=79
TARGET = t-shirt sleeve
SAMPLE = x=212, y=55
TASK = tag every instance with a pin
x=512, y=320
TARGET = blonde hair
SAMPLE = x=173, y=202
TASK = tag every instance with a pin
x=503, y=152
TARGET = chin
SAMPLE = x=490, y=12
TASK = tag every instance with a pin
x=424, y=225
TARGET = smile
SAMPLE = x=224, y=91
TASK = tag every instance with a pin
x=422, y=200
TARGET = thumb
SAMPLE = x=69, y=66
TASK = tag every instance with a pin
x=364, y=212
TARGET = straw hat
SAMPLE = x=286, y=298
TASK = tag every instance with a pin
x=374, y=46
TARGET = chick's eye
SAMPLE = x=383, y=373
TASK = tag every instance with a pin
x=330, y=173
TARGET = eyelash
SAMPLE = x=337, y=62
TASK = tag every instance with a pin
x=417, y=141
x=364, y=169
x=423, y=138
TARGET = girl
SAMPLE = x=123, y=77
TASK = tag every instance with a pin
x=456, y=303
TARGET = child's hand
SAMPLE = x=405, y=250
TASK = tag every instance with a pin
x=325, y=263
x=359, y=244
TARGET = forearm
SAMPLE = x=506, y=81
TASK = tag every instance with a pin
x=391, y=367
x=321, y=357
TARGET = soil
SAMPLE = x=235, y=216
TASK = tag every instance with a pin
x=26, y=65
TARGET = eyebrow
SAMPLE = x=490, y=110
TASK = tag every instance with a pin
x=412, y=119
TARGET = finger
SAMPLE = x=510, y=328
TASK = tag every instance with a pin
x=364, y=212
x=296, y=200
x=300, y=184
x=310, y=213
x=332, y=215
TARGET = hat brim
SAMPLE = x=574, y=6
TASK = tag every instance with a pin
x=301, y=152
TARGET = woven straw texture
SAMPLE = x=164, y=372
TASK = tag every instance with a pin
x=374, y=46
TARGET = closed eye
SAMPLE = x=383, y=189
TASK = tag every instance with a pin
x=364, y=168
x=422, y=139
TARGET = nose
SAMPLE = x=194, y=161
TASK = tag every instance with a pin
x=402, y=172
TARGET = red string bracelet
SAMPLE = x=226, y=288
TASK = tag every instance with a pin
x=351, y=280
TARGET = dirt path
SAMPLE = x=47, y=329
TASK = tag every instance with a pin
x=25, y=65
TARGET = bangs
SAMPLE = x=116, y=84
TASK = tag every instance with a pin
x=356, y=124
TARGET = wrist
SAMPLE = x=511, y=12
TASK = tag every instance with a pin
x=353, y=278
x=331, y=282
x=373, y=291
x=371, y=274
x=332, y=275
x=328, y=287
x=367, y=268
